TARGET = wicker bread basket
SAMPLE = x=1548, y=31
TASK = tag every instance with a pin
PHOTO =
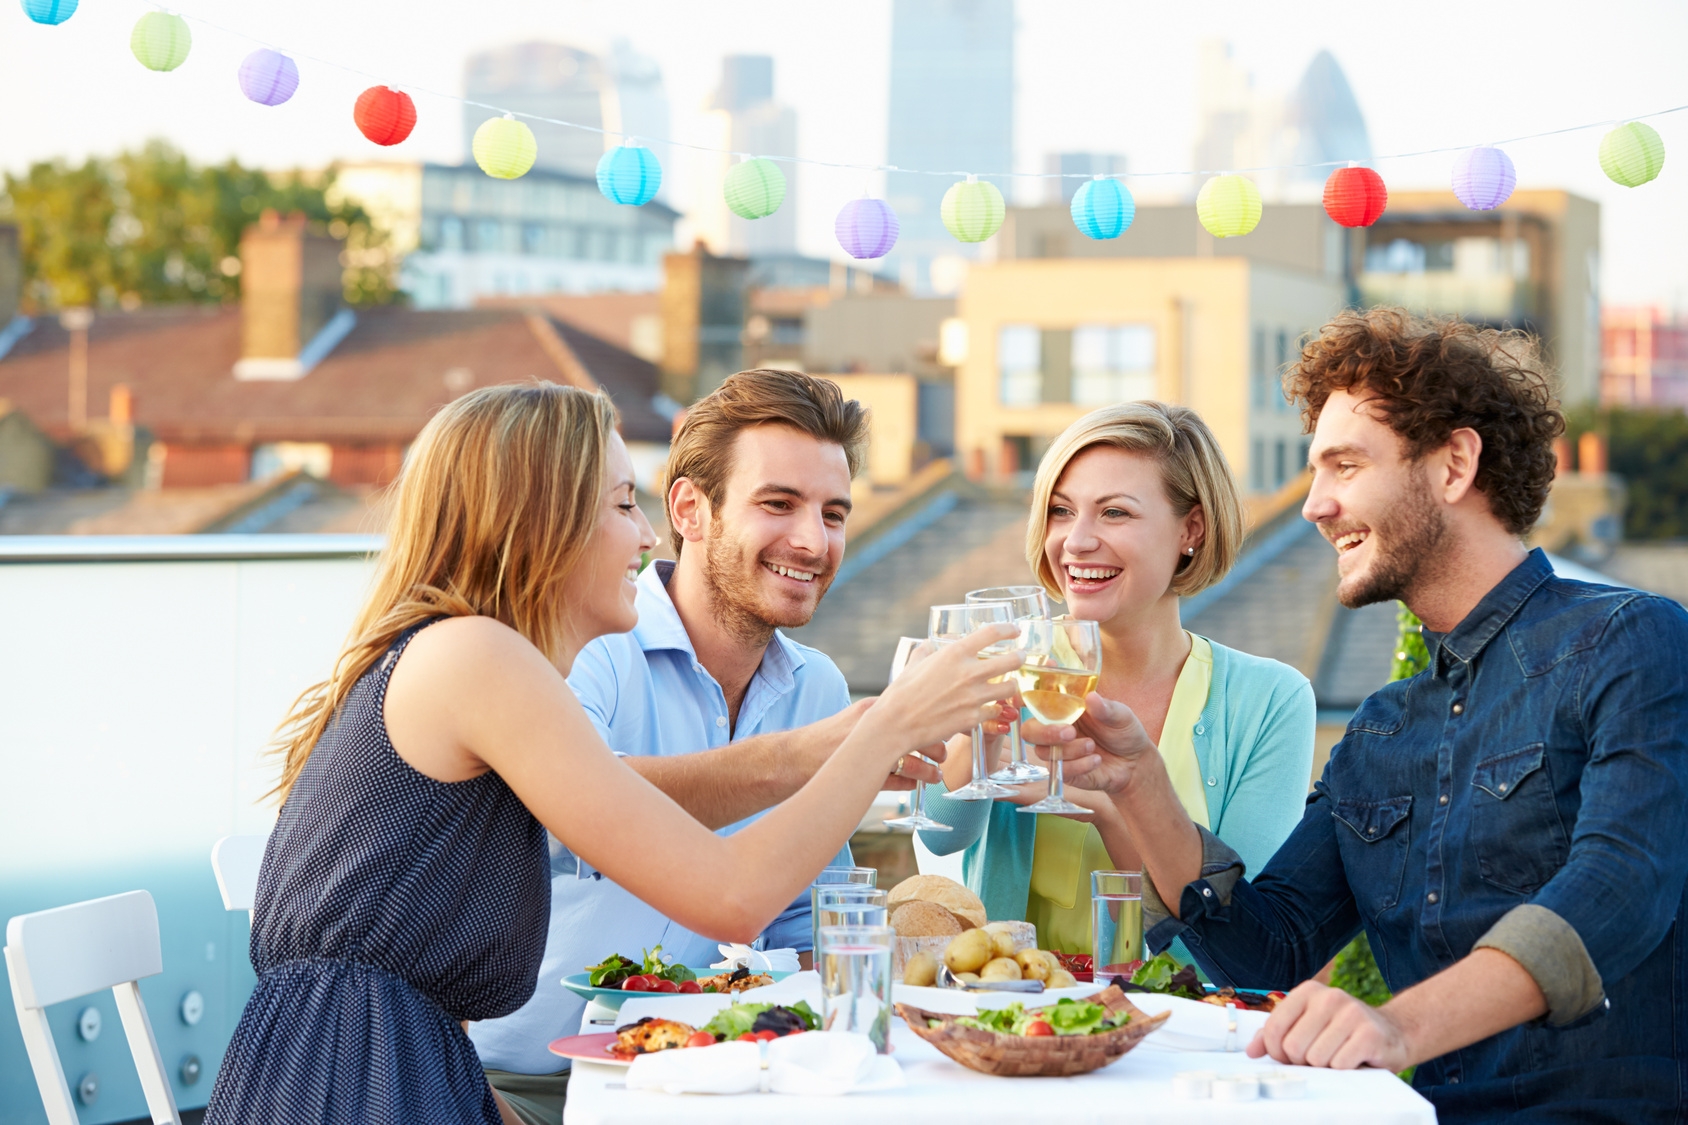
x=1019, y=1056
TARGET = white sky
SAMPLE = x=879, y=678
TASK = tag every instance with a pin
x=1105, y=75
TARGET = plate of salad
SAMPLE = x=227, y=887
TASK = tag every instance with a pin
x=1070, y=1036
x=617, y=977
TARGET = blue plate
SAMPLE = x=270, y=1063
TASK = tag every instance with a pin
x=612, y=998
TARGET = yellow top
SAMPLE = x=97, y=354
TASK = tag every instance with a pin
x=1067, y=851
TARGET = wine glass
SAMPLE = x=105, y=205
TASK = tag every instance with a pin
x=950, y=623
x=916, y=817
x=1025, y=603
x=1063, y=661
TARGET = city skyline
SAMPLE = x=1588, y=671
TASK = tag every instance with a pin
x=1128, y=87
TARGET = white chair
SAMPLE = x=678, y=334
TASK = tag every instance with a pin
x=56, y=955
x=236, y=860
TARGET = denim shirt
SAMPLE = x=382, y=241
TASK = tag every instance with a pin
x=1528, y=791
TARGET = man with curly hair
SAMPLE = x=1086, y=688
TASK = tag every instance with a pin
x=1509, y=827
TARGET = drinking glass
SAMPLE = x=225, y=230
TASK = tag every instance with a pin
x=849, y=906
x=948, y=624
x=916, y=817
x=841, y=888
x=1116, y=921
x=1025, y=603
x=856, y=982
x=1063, y=661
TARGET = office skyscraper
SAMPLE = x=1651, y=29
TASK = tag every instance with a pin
x=952, y=107
x=744, y=116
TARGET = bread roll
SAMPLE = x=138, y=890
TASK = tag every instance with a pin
x=918, y=918
x=947, y=893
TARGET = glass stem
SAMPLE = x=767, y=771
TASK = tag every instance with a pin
x=1057, y=781
x=917, y=802
x=980, y=772
x=1016, y=748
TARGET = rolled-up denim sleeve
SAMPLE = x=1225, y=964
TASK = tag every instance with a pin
x=1618, y=891
x=1273, y=931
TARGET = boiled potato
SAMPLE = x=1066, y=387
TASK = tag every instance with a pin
x=969, y=952
x=1002, y=940
x=922, y=969
x=1000, y=968
x=967, y=978
x=1060, y=978
x=1035, y=964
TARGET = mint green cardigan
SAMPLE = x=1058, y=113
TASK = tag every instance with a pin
x=1254, y=741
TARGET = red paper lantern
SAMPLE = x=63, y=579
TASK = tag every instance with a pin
x=1355, y=197
x=384, y=115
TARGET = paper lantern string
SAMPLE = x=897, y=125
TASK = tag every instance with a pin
x=946, y=173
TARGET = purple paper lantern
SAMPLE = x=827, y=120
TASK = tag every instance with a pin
x=1484, y=178
x=867, y=228
x=268, y=77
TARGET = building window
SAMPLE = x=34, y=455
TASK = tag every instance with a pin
x=488, y=235
x=1280, y=455
x=451, y=233
x=1112, y=363
x=1278, y=375
x=1257, y=456
x=533, y=238
x=1019, y=361
x=1261, y=380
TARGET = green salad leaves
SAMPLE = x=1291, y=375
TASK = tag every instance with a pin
x=730, y=1023
x=615, y=968
x=1066, y=1016
x=1163, y=974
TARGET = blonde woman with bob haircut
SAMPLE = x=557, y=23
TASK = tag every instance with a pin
x=1133, y=508
x=405, y=888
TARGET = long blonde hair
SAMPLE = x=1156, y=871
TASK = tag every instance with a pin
x=492, y=512
x=1193, y=470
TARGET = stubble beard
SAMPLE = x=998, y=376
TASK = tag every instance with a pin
x=730, y=572
x=1408, y=551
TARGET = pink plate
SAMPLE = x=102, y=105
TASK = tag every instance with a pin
x=592, y=1048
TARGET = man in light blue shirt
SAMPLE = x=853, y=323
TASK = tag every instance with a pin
x=704, y=697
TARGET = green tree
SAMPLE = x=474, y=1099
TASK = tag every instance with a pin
x=1648, y=448
x=151, y=227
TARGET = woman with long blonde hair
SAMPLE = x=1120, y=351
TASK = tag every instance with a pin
x=405, y=888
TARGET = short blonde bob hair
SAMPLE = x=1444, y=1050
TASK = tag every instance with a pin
x=1193, y=471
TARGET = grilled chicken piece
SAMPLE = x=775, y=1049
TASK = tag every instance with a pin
x=650, y=1034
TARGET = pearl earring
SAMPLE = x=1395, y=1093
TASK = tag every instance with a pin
x=1189, y=550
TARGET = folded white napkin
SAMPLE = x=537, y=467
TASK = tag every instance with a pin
x=1196, y=1026
x=815, y=1063
x=758, y=960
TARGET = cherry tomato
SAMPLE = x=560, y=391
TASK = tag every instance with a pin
x=1039, y=1028
x=766, y=1036
x=701, y=1039
x=690, y=986
x=661, y=985
x=1276, y=995
x=636, y=983
x=747, y=1037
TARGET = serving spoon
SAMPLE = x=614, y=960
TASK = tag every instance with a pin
x=947, y=979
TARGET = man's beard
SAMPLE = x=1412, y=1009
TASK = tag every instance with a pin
x=736, y=595
x=1407, y=550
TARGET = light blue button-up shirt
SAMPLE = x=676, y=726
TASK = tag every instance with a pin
x=648, y=695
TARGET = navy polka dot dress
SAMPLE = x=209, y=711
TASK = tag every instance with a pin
x=390, y=907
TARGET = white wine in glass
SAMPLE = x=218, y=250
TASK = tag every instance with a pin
x=916, y=817
x=1063, y=661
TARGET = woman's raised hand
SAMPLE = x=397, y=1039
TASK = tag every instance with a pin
x=944, y=691
x=1103, y=750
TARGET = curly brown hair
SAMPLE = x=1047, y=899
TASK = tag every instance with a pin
x=1431, y=376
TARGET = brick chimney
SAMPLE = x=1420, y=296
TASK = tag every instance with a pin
x=1591, y=453
x=290, y=306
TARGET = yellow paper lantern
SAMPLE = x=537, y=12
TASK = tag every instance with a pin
x=504, y=147
x=1228, y=206
x=1632, y=154
x=972, y=210
x=160, y=41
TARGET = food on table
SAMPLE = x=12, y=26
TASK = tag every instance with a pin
x=1060, y=978
x=921, y=970
x=1252, y=1001
x=1064, y=1017
x=967, y=978
x=939, y=891
x=919, y=918
x=968, y=952
x=648, y=1035
x=738, y=980
x=754, y=1020
x=1004, y=942
x=1162, y=973
x=1036, y=964
x=615, y=970
x=1000, y=968
x=1075, y=963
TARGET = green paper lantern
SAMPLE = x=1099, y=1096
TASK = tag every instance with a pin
x=754, y=189
x=504, y=147
x=1228, y=206
x=972, y=210
x=1632, y=154
x=161, y=41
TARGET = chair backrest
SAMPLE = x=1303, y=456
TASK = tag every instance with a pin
x=61, y=954
x=236, y=860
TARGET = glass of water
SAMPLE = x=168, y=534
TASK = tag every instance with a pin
x=847, y=905
x=1116, y=921
x=856, y=982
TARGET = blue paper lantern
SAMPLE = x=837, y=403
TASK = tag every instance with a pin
x=629, y=174
x=1484, y=178
x=268, y=77
x=867, y=228
x=49, y=11
x=1103, y=208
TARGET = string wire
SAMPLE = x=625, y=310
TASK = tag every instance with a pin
x=871, y=167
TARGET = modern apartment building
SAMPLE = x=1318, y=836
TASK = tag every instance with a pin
x=1643, y=358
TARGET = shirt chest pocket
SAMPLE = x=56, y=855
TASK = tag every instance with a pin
x=1516, y=832
x=1373, y=838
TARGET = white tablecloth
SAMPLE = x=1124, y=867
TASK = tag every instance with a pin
x=1137, y=1088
